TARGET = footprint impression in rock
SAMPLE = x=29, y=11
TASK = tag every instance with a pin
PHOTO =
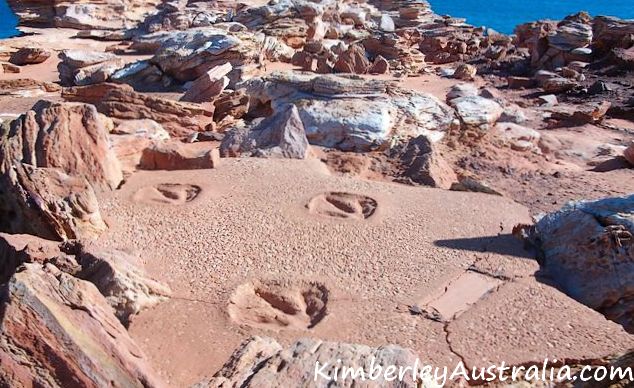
x=167, y=193
x=343, y=205
x=278, y=306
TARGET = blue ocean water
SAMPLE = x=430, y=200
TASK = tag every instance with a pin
x=8, y=21
x=504, y=15
x=501, y=15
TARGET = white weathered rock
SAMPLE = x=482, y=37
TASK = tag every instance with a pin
x=462, y=90
x=261, y=362
x=80, y=67
x=477, y=112
x=281, y=135
x=386, y=24
x=347, y=124
x=570, y=36
x=119, y=278
x=187, y=55
x=520, y=138
x=351, y=113
x=588, y=250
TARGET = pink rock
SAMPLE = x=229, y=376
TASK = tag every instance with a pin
x=210, y=85
x=180, y=156
x=380, y=66
x=69, y=136
x=58, y=330
x=29, y=56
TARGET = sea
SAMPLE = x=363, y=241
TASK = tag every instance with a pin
x=501, y=15
x=8, y=21
x=504, y=15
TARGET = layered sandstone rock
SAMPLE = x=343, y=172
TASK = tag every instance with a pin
x=351, y=113
x=101, y=15
x=422, y=163
x=29, y=56
x=18, y=249
x=187, y=55
x=448, y=41
x=208, y=86
x=262, y=362
x=58, y=330
x=27, y=87
x=477, y=114
x=179, y=156
x=78, y=67
x=130, y=138
x=577, y=38
x=49, y=203
x=121, y=102
x=587, y=250
x=69, y=136
x=281, y=135
x=118, y=275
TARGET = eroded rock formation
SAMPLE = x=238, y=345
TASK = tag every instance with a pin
x=588, y=250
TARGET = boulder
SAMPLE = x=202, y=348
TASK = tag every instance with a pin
x=119, y=278
x=570, y=36
x=587, y=113
x=262, y=362
x=353, y=60
x=29, y=56
x=558, y=85
x=379, y=66
x=465, y=72
x=521, y=82
x=18, y=249
x=187, y=55
x=547, y=100
x=70, y=136
x=210, y=85
x=588, y=250
x=78, y=67
x=347, y=124
x=477, y=112
x=121, y=102
x=117, y=274
x=179, y=156
x=462, y=90
x=130, y=138
x=423, y=164
x=48, y=203
x=58, y=330
x=513, y=114
x=349, y=113
x=281, y=135
x=386, y=23
x=519, y=138
x=10, y=68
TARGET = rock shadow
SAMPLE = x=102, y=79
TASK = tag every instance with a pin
x=505, y=244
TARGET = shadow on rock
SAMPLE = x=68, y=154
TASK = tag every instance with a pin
x=505, y=244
